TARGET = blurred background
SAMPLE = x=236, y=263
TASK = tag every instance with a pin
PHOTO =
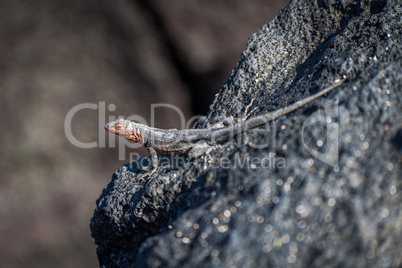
x=55, y=55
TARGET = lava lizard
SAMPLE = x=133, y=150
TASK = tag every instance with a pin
x=194, y=142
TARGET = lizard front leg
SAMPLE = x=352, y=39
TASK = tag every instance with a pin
x=154, y=159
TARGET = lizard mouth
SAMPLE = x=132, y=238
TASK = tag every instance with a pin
x=108, y=127
x=114, y=130
x=122, y=130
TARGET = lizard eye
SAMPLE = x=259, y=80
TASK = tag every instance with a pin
x=120, y=127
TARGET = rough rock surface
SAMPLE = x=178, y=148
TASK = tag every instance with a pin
x=297, y=207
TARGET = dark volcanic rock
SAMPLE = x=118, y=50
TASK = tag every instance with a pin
x=328, y=190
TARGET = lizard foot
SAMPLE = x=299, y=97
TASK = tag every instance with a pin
x=199, y=149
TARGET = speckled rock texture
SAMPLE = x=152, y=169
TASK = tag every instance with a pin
x=312, y=190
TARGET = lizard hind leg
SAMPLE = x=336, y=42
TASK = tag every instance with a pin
x=230, y=120
x=247, y=113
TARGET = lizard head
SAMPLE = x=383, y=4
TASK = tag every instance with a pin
x=124, y=128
